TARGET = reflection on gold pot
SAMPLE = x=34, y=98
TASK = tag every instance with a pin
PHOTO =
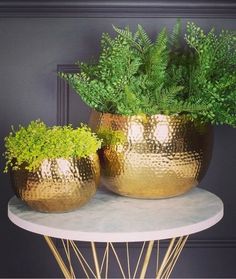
x=160, y=156
x=58, y=185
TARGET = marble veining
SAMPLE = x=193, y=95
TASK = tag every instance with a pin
x=109, y=217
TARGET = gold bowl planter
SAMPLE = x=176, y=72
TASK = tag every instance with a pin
x=161, y=156
x=58, y=185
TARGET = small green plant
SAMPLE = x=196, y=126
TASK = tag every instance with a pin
x=135, y=75
x=30, y=145
x=111, y=137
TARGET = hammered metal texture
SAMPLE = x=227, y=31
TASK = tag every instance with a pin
x=161, y=156
x=59, y=185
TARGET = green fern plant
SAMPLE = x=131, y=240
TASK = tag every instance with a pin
x=30, y=145
x=213, y=74
x=135, y=75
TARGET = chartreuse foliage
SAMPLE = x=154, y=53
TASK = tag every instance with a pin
x=32, y=144
x=111, y=137
x=135, y=75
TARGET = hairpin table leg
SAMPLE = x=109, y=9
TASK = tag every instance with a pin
x=100, y=268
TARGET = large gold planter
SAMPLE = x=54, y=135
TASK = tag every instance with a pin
x=59, y=185
x=161, y=156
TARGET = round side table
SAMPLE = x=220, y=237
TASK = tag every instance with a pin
x=111, y=218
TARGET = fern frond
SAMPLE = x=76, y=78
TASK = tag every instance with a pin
x=134, y=66
x=126, y=34
x=158, y=60
x=145, y=41
x=174, y=90
x=174, y=39
x=106, y=41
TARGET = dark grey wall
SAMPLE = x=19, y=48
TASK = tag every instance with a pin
x=33, y=42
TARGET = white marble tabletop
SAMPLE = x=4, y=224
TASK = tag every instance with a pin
x=112, y=218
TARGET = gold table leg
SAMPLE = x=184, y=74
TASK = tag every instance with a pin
x=100, y=269
x=58, y=257
x=146, y=260
x=171, y=256
x=95, y=258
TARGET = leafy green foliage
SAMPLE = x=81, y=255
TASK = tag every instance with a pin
x=32, y=144
x=175, y=35
x=111, y=137
x=135, y=75
x=213, y=73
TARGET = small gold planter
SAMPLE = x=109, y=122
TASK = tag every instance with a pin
x=59, y=185
x=161, y=156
